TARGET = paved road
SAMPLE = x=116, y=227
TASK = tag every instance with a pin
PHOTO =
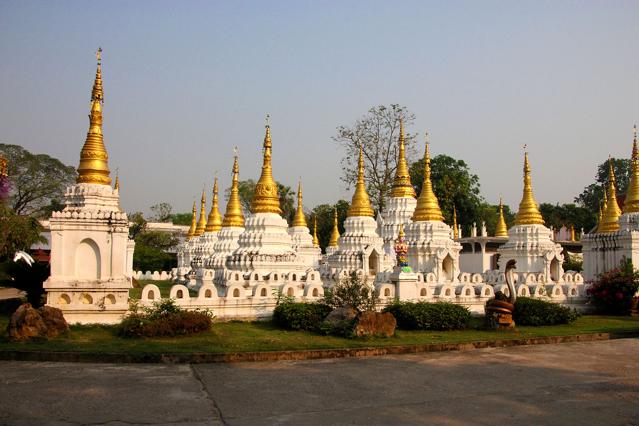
x=575, y=383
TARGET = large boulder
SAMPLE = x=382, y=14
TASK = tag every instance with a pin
x=27, y=322
x=340, y=315
x=375, y=324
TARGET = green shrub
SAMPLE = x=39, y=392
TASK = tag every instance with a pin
x=351, y=292
x=300, y=316
x=165, y=318
x=429, y=316
x=613, y=292
x=539, y=312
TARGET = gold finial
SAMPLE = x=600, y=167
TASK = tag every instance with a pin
x=572, y=233
x=427, y=205
x=4, y=167
x=360, y=204
x=94, y=160
x=266, y=198
x=631, y=204
x=455, y=227
x=201, y=224
x=501, y=230
x=214, y=222
x=300, y=219
x=315, y=239
x=191, y=232
x=611, y=213
x=117, y=179
x=335, y=233
x=233, y=215
x=402, y=187
x=528, y=213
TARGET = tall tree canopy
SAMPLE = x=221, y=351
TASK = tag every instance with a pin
x=37, y=181
x=566, y=215
x=454, y=185
x=162, y=212
x=377, y=132
x=592, y=195
x=325, y=214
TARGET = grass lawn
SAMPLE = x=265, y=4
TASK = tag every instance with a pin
x=264, y=336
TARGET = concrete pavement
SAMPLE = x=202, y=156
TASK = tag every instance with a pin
x=573, y=383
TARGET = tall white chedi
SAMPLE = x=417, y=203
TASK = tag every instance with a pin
x=401, y=205
x=305, y=245
x=265, y=245
x=530, y=242
x=360, y=247
x=430, y=246
x=229, y=233
x=91, y=254
x=617, y=234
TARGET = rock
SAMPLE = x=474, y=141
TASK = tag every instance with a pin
x=340, y=315
x=27, y=322
x=375, y=324
x=54, y=321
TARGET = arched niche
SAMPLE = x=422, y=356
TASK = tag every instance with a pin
x=87, y=260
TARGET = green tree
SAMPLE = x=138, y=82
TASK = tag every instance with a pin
x=378, y=133
x=592, y=195
x=324, y=214
x=246, y=189
x=38, y=181
x=152, y=248
x=566, y=215
x=454, y=185
x=161, y=212
x=181, y=219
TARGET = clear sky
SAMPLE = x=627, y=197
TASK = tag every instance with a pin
x=185, y=82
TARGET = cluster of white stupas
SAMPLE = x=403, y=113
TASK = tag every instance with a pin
x=239, y=267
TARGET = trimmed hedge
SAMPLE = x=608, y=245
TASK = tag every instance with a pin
x=165, y=319
x=300, y=316
x=429, y=316
x=539, y=312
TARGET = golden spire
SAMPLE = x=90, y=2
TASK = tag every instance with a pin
x=214, y=222
x=233, y=215
x=610, y=219
x=266, y=198
x=191, y=232
x=402, y=187
x=201, y=224
x=427, y=205
x=455, y=227
x=315, y=239
x=573, y=237
x=117, y=180
x=501, y=230
x=631, y=204
x=4, y=167
x=94, y=160
x=335, y=232
x=300, y=219
x=360, y=204
x=528, y=213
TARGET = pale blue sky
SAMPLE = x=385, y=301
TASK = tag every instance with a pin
x=186, y=81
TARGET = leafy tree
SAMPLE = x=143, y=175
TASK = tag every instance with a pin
x=161, y=212
x=454, y=185
x=151, y=247
x=181, y=219
x=592, y=195
x=567, y=215
x=489, y=213
x=38, y=181
x=246, y=189
x=377, y=132
x=324, y=214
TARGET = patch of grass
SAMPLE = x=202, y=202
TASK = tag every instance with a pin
x=264, y=336
x=165, y=287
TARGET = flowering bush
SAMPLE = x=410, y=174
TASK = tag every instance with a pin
x=613, y=292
